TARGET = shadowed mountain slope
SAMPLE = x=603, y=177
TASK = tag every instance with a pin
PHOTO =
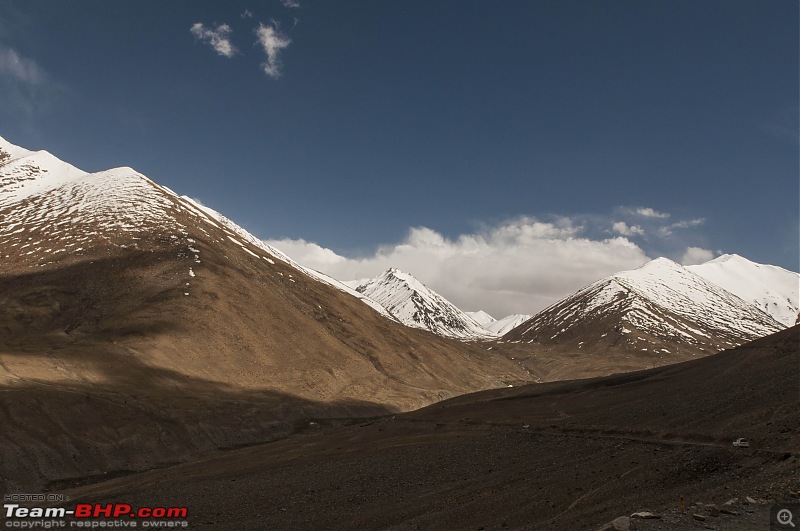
x=568, y=455
x=131, y=317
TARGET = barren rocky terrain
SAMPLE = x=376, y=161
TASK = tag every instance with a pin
x=161, y=343
x=154, y=353
x=569, y=455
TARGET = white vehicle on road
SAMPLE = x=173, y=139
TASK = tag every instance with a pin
x=741, y=442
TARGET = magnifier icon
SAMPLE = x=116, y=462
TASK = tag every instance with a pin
x=785, y=517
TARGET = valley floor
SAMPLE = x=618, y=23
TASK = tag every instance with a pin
x=414, y=473
x=567, y=455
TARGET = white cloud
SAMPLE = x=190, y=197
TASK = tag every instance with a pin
x=309, y=254
x=292, y=4
x=273, y=42
x=525, y=230
x=685, y=224
x=247, y=14
x=620, y=227
x=648, y=212
x=520, y=266
x=696, y=255
x=28, y=92
x=218, y=38
x=688, y=223
x=20, y=68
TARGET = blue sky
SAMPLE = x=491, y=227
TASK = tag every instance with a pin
x=373, y=122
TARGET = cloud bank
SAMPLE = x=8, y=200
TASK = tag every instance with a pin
x=520, y=266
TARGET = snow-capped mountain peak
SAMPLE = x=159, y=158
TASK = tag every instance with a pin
x=507, y=323
x=13, y=150
x=414, y=304
x=659, y=304
x=53, y=211
x=482, y=318
x=25, y=173
x=773, y=289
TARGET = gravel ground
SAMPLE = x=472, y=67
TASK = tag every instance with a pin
x=574, y=455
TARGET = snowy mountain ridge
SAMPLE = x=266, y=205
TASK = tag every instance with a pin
x=416, y=305
x=482, y=318
x=61, y=209
x=773, y=289
x=53, y=211
x=659, y=303
x=502, y=326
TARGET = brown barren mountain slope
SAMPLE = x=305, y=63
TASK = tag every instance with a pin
x=570, y=455
x=137, y=330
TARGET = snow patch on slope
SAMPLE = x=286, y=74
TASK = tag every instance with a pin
x=28, y=173
x=245, y=236
x=48, y=207
x=51, y=210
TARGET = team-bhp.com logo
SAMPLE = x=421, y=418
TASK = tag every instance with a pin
x=95, y=515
